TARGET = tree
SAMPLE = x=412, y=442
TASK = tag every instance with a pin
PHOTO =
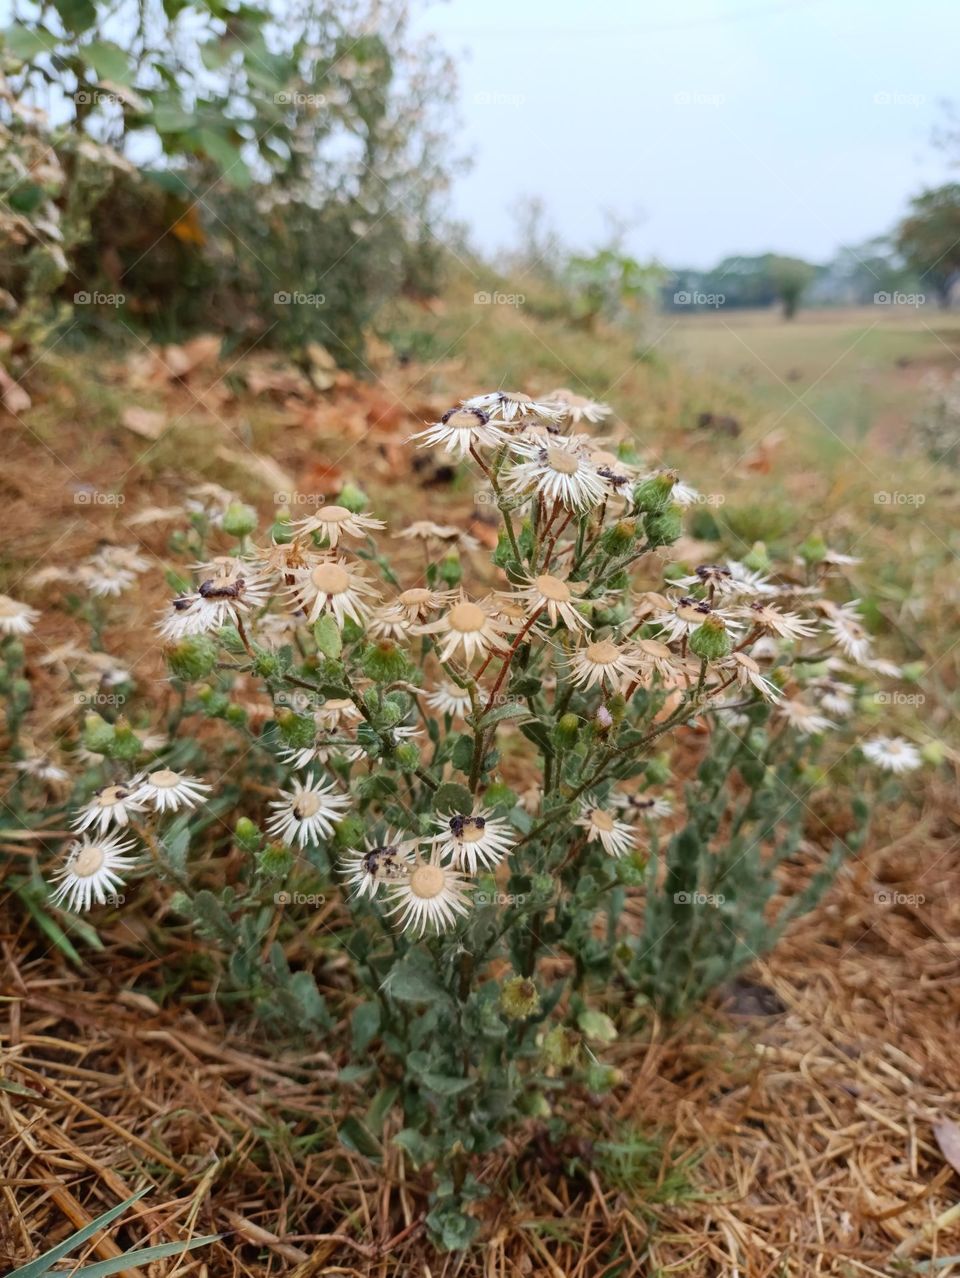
x=790, y=277
x=929, y=237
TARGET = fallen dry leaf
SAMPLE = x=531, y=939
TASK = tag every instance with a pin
x=947, y=1134
x=147, y=422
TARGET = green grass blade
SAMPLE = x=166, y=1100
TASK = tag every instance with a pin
x=37, y=1268
x=118, y=1263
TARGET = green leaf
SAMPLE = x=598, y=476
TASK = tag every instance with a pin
x=512, y=710
x=450, y=797
x=416, y=1147
x=597, y=1026
x=326, y=632
x=414, y=980
x=226, y=155
x=141, y=1256
x=76, y=15
x=353, y=1135
x=26, y=42
x=451, y=1228
x=445, y=1084
x=108, y=60
x=37, y=1268
x=364, y=1026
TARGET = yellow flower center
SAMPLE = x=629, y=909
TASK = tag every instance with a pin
x=307, y=805
x=603, y=653
x=472, y=833
x=413, y=598
x=330, y=579
x=600, y=820
x=467, y=617
x=463, y=420
x=333, y=514
x=560, y=460
x=552, y=588
x=87, y=863
x=111, y=795
x=427, y=881
x=165, y=779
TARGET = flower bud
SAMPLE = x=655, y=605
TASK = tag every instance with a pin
x=451, y=572
x=353, y=498
x=239, y=520
x=126, y=743
x=654, y=495
x=236, y=715
x=933, y=753
x=757, y=559
x=97, y=734
x=14, y=653
x=246, y=834
x=814, y=549
x=602, y=1078
x=560, y=1048
x=565, y=731
x=275, y=861
x=662, y=528
x=619, y=538
x=407, y=756
x=519, y=999
x=297, y=730
x=192, y=658
x=710, y=640
x=384, y=662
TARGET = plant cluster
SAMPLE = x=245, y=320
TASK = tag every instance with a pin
x=449, y=812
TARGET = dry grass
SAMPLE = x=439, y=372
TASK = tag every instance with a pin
x=794, y=1116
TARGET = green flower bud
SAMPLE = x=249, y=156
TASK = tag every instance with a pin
x=814, y=549
x=654, y=495
x=98, y=734
x=275, y=861
x=710, y=640
x=519, y=999
x=247, y=834
x=560, y=1048
x=619, y=538
x=239, y=520
x=297, y=730
x=535, y=1105
x=757, y=559
x=407, y=756
x=384, y=662
x=451, y=571
x=933, y=753
x=602, y=1078
x=14, y=653
x=236, y=715
x=126, y=743
x=566, y=731
x=281, y=532
x=662, y=528
x=354, y=498
x=192, y=658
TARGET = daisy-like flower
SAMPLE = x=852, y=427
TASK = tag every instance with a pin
x=474, y=841
x=804, y=718
x=42, y=769
x=336, y=712
x=426, y=530
x=228, y=587
x=335, y=522
x=616, y=836
x=306, y=813
x=785, y=624
x=377, y=863
x=210, y=501
x=333, y=586
x=616, y=473
x=419, y=602
x=104, y=579
x=326, y=745
x=470, y=627
x=836, y=698
x=461, y=429
x=169, y=791
x=747, y=581
x=749, y=675
x=646, y=805
x=603, y=664
x=389, y=621
x=508, y=406
x=893, y=754
x=559, y=471
x=111, y=804
x=557, y=598
x=92, y=869
x=430, y=895
x=716, y=579
x=655, y=656
x=845, y=626
x=16, y=618
x=449, y=699
x=686, y=614
x=577, y=408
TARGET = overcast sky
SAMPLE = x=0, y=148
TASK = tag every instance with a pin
x=720, y=126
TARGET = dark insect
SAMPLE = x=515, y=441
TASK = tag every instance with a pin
x=377, y=861
x=210, y=590
x=706, y=571
x=699, y=605
x=183, y=603
x=459, y=823
x=617, y=480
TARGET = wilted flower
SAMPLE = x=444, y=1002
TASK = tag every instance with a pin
x=430, y=895
x=468, y=626
x=92, y=869
x=460, y=430
x=168, y=791
x=893, y=754
x=334, y=522
x=559, y=471
x=615, y=836
x=16, y=618
x=332, y=585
